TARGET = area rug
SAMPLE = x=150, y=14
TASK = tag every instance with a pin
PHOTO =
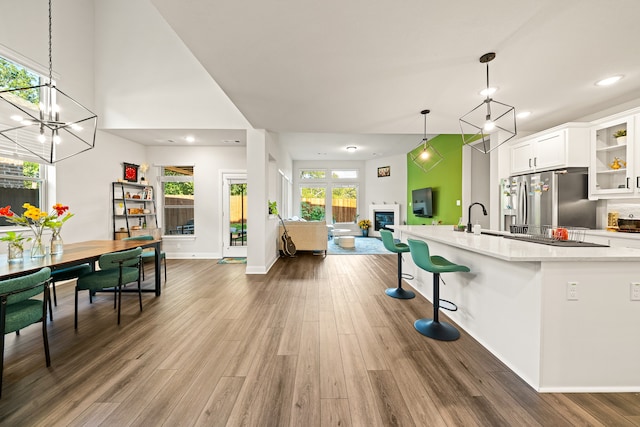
x=233, y=260
x=364, y=246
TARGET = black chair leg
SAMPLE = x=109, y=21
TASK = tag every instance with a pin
x=433, y=328
x=55, y=297
x=75, y=316
x=119, y=301
x=50, y=311
x=399, y=292
x=164, y=259
x=1, y=358
x=140, y=294
x=45, y=338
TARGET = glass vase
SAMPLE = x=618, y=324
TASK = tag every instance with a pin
x=57, y=245
x=37, y=249
x=15, y=253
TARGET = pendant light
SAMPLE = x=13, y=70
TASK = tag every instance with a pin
x=425, y=156
x=490, y=124
x=42, y=123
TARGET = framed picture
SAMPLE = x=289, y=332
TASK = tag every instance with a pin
x=130, y=172
x=384, y=171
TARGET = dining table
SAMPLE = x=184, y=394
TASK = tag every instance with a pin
x=80, y=253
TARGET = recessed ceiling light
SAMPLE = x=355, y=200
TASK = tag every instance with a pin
x=352, y=148
x=523, y=114
x=189, y=138
x=608, y=81
x=488, y=91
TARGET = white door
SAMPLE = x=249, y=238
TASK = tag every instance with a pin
x=234, y=215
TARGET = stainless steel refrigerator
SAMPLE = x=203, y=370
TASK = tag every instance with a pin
x=555, y=198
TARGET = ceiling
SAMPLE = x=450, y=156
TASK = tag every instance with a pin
x=345, y=70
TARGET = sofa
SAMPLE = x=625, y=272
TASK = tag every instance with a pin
x=306, y=235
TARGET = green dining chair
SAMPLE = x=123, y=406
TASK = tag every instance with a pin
x=19, y=308
x=435, y=264
x=66, y=273
x=150, y=254
x=116, y=270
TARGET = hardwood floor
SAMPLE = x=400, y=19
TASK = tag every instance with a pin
x=315, y=342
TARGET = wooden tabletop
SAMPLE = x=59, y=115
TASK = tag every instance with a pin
x=75, y=253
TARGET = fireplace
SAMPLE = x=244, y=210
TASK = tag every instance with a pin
x=382, y=216
x=382, y=219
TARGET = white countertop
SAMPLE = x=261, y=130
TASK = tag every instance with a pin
x=613, y=234
x=515, y=250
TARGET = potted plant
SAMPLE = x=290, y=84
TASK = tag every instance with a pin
x=620, y=136
x=273, y=207
x=364, y=224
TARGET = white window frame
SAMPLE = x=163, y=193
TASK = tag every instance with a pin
x=357, y=172
x=161, y=205
x=303, y=178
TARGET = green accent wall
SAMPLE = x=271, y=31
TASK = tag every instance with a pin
x=445, y=179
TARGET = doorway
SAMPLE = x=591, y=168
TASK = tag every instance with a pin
x=234, y=215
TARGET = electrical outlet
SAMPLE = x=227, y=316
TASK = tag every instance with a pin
x=572, y=291
x=457, y=202
x=635, y=291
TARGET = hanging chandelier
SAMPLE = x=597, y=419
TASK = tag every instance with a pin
x=43, y=123
x=490, y=124
x=425, y=156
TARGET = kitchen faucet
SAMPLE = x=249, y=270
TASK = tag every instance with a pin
x=484, y=211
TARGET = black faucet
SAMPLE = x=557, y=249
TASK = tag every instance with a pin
x=484, y=211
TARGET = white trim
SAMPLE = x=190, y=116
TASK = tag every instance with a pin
x=391, y=207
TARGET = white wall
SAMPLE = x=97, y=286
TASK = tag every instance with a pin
x=390, y=189
x=147, y=78
x=84, y=184
x=207, y=162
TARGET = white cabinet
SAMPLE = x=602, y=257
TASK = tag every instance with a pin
x=565, y=146
x=614, y=171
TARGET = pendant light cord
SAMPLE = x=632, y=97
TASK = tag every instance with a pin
x=50, y=50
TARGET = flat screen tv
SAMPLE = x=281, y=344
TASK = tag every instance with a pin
x=422, y=202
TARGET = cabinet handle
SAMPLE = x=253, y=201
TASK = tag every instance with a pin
x=637, y=181
x=535, y=161
x=529, y=162
x=627, y=182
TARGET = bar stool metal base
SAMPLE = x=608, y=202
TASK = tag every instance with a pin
x=442, y=331
x=400, y=293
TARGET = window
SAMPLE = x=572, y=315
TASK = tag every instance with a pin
x=178, y=199
x=344, y=202
x=344, y=174
x=20, y=182
x=313, y=174
x=312, y=202
x=14, y=76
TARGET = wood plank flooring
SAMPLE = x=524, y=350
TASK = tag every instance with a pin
x=315, y=342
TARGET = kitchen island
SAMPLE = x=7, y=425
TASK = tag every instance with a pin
x=515, y=302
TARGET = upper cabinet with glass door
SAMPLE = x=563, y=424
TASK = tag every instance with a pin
x=611, y=174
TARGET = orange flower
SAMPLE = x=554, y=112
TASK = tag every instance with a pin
x=6, y=211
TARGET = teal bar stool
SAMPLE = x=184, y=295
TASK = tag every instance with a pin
x=398, y=248
x=433, y=328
